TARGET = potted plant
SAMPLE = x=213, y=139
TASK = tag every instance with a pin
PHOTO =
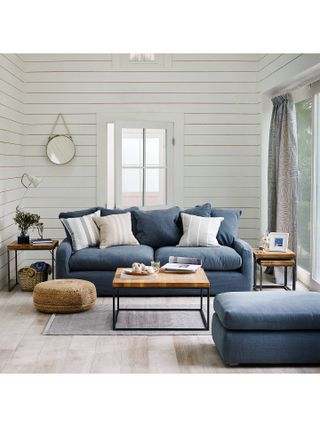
x=25, y=220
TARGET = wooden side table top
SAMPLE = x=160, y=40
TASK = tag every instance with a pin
x=15, y=246
x=163, y=280
x=272, y=255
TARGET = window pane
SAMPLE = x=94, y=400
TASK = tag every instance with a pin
x=304, y=126
x=316, y=225
x=132, y=147
x=155, y=187
x=155, y=147
x=110, y=165
x=131, y=187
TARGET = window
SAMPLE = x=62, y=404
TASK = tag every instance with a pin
x=142, y=159
x=304, y=113
x=308, y=125
x=316, y=193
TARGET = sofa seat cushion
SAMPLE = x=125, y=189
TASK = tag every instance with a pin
x=109, y=259
x=272, y=310
x=217, y=258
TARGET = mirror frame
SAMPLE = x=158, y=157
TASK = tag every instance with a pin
x=66, y=136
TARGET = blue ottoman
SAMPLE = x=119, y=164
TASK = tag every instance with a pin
x=267, y=327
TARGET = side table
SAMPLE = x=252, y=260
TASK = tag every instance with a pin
x=14, y=246
x=263, y=258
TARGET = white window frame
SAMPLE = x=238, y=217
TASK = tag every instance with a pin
x=177, y=119
x=299, y=95
x=168, y=126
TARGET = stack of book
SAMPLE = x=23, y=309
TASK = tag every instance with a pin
x=182, y=265
x=41, y=241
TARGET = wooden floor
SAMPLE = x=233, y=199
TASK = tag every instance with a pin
x=23, y=349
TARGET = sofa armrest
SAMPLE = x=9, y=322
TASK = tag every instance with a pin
x=64, y=253
x=245, y=251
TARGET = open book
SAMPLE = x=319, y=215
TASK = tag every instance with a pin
x=182, y=265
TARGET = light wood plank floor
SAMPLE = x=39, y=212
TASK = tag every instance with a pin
x=24, y=350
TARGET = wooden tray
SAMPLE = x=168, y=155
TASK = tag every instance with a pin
x=132, y=273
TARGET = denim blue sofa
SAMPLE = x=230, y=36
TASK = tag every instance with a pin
x=267, y=327
x=228, y=267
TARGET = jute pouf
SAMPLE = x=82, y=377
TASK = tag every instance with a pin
x=64, y=296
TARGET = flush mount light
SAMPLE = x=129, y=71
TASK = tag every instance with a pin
x=142, y=57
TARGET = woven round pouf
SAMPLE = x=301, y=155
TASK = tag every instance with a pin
x=64, y=296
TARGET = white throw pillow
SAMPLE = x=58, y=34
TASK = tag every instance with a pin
x=83, y=230
x=115, y=230
x=199, y=230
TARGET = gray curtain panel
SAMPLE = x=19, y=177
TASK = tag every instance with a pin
x=283, y=170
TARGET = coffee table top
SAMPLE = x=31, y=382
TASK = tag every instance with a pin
x=163, y=280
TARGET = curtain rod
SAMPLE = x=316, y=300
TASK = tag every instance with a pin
x=308, y=82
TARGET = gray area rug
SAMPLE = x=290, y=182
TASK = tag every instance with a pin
x=98, y=321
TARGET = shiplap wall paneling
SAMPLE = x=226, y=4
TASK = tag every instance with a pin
x=217, y=94
x=11, y=159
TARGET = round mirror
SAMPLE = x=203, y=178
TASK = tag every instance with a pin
x=61, y=149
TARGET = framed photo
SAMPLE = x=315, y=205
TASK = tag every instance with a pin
x=278, y=242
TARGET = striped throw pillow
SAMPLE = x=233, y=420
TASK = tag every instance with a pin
x=115, y=230
x=199, y=231
x=83, y=230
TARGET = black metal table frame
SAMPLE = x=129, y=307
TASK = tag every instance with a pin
x=10, y=288
x=116, y=310
x=284, y=286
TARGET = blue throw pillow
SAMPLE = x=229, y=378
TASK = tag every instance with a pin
x=76, y=214
x=106, y=212
x=204, y=210
x=228, y=230
x=157, y=228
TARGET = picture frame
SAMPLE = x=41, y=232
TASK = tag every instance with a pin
x=278, y=242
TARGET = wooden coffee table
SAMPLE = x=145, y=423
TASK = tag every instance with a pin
x=196, y=280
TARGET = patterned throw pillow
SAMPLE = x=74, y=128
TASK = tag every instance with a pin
x=83, y=230
x=115, y=230
x=199, y=231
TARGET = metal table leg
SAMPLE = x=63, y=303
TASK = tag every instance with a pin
x=285, y=276
x=208, y=309
x=9, y=276
x=9, y=272
x=294, y=275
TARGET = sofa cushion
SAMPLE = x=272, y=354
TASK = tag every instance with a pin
x=203, y=210
x=157, y=228
x=115, y=230
x=110, y=258
x=228, y=230
x=272, y=310
x=76, y=214
x=217, y=258
x=106, y=212
x=82, y=230
x=199, y=231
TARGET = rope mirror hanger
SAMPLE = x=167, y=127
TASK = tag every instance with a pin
x=60, y=147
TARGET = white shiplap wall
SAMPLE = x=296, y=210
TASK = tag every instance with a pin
x=11, y=159
x=217, y=94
